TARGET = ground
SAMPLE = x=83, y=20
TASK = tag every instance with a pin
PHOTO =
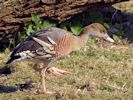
x=97, y=72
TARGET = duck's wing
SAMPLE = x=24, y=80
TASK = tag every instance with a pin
x=43, y=45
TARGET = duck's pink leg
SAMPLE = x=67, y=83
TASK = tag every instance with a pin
x=57, y=71
x=43, y=81
x=42, y=72
x=53, y=70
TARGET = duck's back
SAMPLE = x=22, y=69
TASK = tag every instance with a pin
x=30, y=48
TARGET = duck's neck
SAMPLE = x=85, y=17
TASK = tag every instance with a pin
x=80, y=41
x=83, y=38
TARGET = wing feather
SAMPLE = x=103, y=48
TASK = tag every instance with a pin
x=39, y=45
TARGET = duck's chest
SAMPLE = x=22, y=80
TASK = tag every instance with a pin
x=63, y=46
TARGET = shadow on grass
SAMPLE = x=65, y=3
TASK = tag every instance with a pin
x=21, y=87
x=5, y=70
x=7, y=89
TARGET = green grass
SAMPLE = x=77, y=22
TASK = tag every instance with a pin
x=110, y=69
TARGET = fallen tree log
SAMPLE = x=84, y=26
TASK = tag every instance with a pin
x=13, y=13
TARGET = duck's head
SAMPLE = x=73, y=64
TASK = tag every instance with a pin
x=98, y=30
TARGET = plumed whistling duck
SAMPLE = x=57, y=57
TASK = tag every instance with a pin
x=49, y=45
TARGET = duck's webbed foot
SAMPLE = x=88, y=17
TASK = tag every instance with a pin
x=57, y=71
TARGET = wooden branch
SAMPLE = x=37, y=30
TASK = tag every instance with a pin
x=13, y=13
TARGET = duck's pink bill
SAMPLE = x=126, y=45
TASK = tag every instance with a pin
x=109, y=39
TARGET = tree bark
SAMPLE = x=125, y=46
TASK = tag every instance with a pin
x=13, y=13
